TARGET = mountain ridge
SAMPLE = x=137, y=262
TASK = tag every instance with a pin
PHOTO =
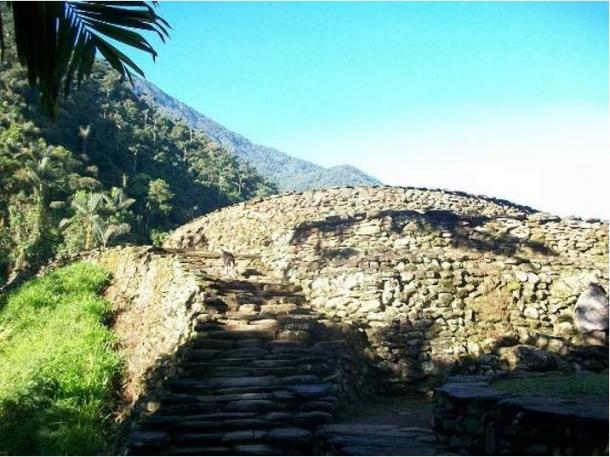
x=288, y=172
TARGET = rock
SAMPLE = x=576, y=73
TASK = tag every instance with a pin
x=531, y=312
x=473, y=349
x=368, y=229
x=369, y=306
x=257, y=449
x=289, y=434
x=309, y=391
x=564, y=328
x=311, y=418
x=251, y=405
x=149, y=439
x=523, y=357
x=152, y=406
x=243, y=435
x=591, y=310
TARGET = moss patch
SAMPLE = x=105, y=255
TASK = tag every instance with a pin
x=592, y=386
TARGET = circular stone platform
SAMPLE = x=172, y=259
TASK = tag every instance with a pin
x=474, y=417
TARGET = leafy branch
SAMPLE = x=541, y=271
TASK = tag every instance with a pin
x=57, y=41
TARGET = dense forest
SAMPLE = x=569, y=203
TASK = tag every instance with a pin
x=110, y=169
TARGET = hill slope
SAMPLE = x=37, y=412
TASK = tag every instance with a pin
x=287, y=172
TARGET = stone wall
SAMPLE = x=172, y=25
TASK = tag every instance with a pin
x=154, y=300
x=439, y=279
x=474, y=418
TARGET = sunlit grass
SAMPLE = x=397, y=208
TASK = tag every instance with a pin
x=58, y=368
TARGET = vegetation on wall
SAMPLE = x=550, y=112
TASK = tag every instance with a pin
x=58, y=368
x=111, y=169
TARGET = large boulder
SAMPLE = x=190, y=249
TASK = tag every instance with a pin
x=591, y=310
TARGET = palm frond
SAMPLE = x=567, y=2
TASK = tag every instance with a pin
x=57, y=41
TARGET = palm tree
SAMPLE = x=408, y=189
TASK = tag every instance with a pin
x=57, y=41
x=83, y=133
x=117, y=200
x=87, y=207
x=40, y=168
x=106, y=231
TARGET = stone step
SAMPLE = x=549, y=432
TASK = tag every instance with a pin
x=172, y=421
x=197, y=450
x=207, y=342
x=191, y=423
x=238, y=353
x=279, y=308
x=197, y=439
x=195, y=384
x=268, y=361
x=205, y=370
x=218, y=332
x=192, y=399
x=284, y=298
x=235, y=286
x=236, y=449
x=194, y=359
x=252, y=380
x=258, y=449
x=269, y=326
x=293, y=436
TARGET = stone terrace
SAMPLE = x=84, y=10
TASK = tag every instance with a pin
x=439, y=281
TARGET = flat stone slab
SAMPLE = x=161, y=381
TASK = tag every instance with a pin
x=359, y=429
x=310, y=390
x=299, y=379
x=289, y=434
x=149, y=439
x=243, y=436
x=195, y=439
x=245, y=381
x=198, y=450
x=558, y=407
x=472, y=392
x=251, y=405
x=387, y=450
x=378, y=439
x=257, y=449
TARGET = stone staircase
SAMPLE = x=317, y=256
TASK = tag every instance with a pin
x=259, y=375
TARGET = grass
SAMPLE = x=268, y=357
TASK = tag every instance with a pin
x=58, y=367
x=593, y=386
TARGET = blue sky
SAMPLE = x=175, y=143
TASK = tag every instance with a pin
x=507, y=99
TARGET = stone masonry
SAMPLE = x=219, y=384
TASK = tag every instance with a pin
x=438, y=281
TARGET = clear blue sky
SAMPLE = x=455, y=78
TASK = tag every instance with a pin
x=475, y=96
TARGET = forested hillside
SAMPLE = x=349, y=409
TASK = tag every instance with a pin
x=110, y=169
x=287, y=172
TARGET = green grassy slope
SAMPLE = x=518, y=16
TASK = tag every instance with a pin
x=58, y=367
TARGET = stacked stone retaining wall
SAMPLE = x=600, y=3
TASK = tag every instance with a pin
x=438, y=279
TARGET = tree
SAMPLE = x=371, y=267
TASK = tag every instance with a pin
x=83, y=133
x=98, y=217
x=86, y=218
x=158, y=199
x=57, y=41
